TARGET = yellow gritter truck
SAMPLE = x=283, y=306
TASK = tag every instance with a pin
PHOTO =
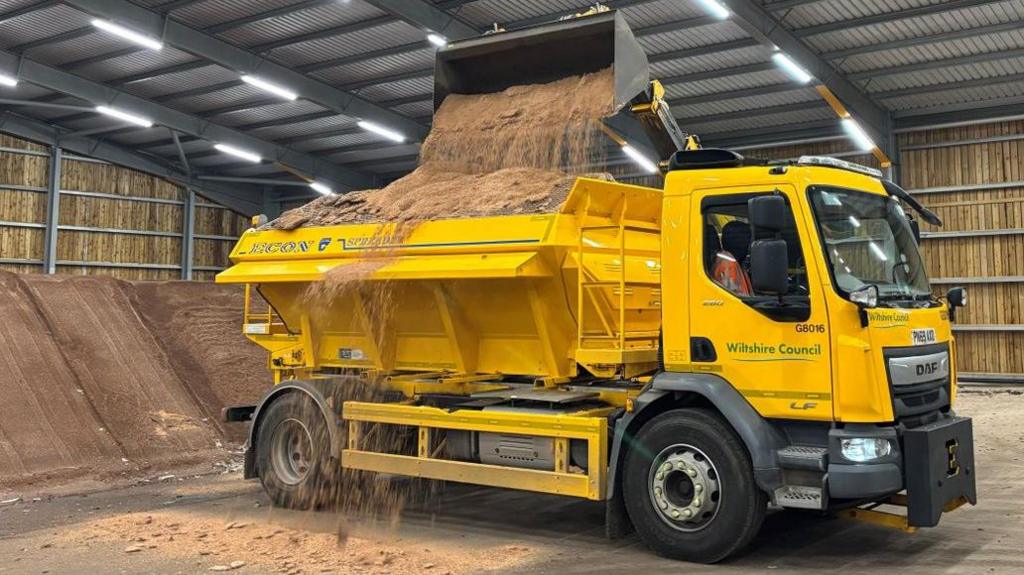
x=754, y=333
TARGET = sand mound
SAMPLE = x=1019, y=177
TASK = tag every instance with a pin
x=97, y=387
x=199, y=325
x=47, y=425
x=511, y=152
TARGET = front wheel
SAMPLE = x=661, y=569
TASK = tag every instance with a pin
x=689, y=487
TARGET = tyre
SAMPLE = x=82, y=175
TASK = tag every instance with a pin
x=293, y=456
x=689, y=489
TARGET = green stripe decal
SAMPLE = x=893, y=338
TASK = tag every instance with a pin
x=779, y=359
x=768, y=394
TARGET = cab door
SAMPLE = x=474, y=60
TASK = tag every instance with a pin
x=774, y=351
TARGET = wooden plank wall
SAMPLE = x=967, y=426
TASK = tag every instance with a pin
x=131, y=201
x=990, y=331
x=991, y=198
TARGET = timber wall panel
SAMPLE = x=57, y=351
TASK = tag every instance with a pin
x=977, y=164
x=212, y=252
x=990, y=352
x=22, y=206
x=975, y=257
x=109, y=179
x=76, y=209
x=219, y=222
x=119, y=214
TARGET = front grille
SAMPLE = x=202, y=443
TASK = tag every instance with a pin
x=923, y=402
x=918, y=404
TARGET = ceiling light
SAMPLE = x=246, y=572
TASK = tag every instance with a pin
x=715, y=8
x=9, y=81
x=381, y=130
x=858, y=135
x=118, y=30
x=233, y=151
x=269, y=87
x=639, y=158
x=125, y=116
x=437, y=40
x=321, y=188
x=790, y=67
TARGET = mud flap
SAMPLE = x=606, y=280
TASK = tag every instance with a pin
x=939, y=468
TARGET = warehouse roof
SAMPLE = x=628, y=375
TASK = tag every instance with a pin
x=895, y=64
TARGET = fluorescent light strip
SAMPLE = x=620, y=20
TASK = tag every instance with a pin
x=9, y=81
x=437, y=40
x=381, y=131
x=127, y=34
x=858, y=135
x=640, y=159
x=714, y=8
x=321, y=188
x=266, y=86
x=233, y=151
x=125, y=116
x=790, y=67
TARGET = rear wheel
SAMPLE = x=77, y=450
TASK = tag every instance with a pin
x=689, y=487
x=293, y=453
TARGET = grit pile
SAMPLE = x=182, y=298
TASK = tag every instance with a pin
x=511, y=152
x=209, y=543
x=105, y=378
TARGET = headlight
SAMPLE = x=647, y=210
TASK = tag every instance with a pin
x=863, y=449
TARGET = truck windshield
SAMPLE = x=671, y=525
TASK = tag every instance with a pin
x=869, y=242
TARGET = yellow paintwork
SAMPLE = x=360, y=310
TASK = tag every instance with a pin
x=846, y=380
x=474, y=300
x=474, y=295
x=590, y=426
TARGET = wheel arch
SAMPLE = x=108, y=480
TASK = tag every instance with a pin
x=315, y=391
x=673, y=390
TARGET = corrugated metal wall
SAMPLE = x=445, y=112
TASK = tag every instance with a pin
x=972, y=177
x=113, y=221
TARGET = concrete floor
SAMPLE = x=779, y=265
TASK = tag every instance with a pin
x=562, y=535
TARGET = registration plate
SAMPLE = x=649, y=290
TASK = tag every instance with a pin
x=922, y=336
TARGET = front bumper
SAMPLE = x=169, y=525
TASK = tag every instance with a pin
x=935, y=466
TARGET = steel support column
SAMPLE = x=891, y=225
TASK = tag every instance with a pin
x=52, y=211
x=188, y=230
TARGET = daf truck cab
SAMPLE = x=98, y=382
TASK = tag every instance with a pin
x=838, y=345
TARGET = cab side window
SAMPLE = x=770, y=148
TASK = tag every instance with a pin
x=727, y=240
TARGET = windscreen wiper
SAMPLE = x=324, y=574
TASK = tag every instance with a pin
x=926, y=214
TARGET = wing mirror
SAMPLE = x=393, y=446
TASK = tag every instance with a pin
x=769, y=267
x=767, y=213
x=956, y=297
x=769, y=258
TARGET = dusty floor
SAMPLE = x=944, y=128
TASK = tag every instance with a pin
x=190, y=524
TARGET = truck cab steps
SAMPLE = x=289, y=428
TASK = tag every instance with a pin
x=802, y=464
x=799, y=497
x=803, y=457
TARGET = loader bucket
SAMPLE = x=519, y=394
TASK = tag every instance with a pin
x=544, y=53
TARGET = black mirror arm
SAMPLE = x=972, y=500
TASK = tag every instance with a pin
x=926, y=214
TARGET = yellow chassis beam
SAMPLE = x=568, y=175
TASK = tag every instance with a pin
x=894, y=520
x=592, y=428
x=572, y=484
